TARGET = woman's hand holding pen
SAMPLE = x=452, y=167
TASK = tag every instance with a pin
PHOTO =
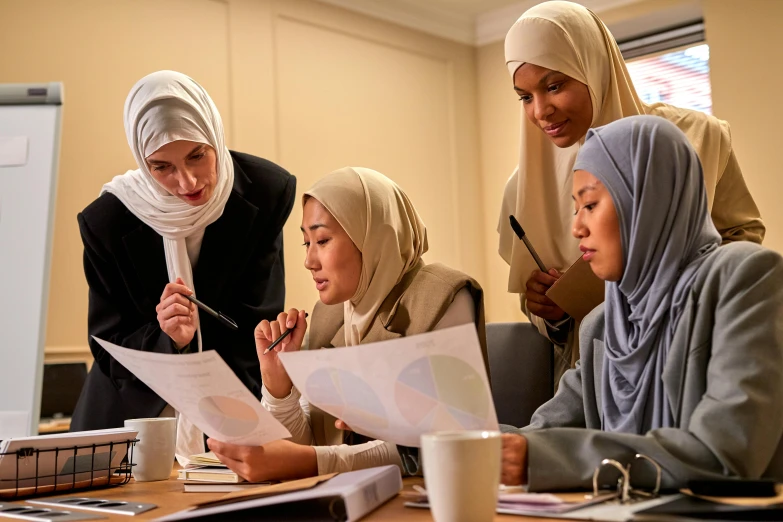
x=537, y=301
x=273, y=374
x=177, y=315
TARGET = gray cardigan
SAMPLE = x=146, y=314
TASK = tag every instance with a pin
x=723, y=377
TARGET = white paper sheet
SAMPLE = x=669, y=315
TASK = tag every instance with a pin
x=202, y=387
x=14, y=424
x=397, y=390
x=13, y=151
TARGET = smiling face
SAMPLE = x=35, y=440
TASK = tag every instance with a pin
x=597, y=227
x=555, y=103
x=331, y=257
x=186, y=169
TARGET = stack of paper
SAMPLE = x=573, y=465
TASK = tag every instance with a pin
x=203, y=459
x=82, y=457
x=209, y=474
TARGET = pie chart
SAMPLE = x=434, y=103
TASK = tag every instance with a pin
x=347, y=397
x=233, y=417
x=442, y=392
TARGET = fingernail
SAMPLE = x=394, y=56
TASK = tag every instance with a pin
x=291, y=323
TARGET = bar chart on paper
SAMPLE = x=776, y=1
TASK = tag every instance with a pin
x=348, y=397
x=428, y=395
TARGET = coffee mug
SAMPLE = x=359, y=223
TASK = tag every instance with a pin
x=153, y=455
x=462, y=473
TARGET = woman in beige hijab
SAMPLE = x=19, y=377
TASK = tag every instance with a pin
x=570, y=76
x=363, y=241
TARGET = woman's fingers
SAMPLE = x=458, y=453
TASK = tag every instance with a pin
x=175, y=310
x=173, y=299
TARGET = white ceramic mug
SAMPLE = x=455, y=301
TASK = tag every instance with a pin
x=153, y=455
x=462, y=473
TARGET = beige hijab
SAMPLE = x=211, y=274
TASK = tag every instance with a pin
x=383, y=224
x=569, y=38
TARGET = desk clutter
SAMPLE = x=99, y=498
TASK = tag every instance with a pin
x=606, y=506
x=71, y=461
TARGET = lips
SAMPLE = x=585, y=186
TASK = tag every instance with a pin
x=320, y=284
x=194, y=196
x=556, y=129
x=587, y=253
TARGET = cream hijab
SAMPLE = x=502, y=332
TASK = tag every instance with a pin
x=383, y=224
x=569, y=38
x=163, y=107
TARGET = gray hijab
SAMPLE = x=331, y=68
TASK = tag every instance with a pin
x=655, y=180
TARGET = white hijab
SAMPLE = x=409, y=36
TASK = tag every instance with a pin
x=163, y=107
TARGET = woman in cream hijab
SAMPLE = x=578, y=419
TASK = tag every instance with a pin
x=363, y=245
x=192, y=219
x=570, y=76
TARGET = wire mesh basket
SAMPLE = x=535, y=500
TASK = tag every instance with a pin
x=29, y=472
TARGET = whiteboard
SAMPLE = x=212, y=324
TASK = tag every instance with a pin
x=29, y=151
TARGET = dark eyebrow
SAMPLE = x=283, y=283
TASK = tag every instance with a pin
x=314, y=227
x=196, y=149
x=585, y=189
x=544, y=79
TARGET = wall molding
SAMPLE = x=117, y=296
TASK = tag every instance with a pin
x=491, y=26
x=61, y=354
x=415, y=15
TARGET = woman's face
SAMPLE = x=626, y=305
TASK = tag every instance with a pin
x=597, y=227
x=555, y=103
x=330, y=255
x=186, y=169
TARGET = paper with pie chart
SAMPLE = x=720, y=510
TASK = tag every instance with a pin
x=397, y=390
x=202, y=387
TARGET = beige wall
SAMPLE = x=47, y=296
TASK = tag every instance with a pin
x=745, y=55
x=499, y=125
x=314, y=88
x=304, y=84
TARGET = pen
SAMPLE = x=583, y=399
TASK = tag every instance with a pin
x=521, y=235
x=226, y=320
x=282, y=336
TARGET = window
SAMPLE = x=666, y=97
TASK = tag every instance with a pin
x=680, y=78
x=672, y=67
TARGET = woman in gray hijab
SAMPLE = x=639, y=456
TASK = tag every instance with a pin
x=683, y=363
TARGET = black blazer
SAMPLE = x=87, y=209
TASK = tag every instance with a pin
x=239, y=272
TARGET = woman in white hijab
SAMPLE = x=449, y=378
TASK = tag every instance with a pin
x=193, y=219
x=683, y=363
x=570, y=76
x=364, y=241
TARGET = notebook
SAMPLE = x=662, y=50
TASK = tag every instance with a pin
x=347, y=496
x=216, y=487
x=578, y=290
x=209, y=474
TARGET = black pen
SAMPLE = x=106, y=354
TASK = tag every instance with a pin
x=282, y=336
x=220, y=316
x=521, y=235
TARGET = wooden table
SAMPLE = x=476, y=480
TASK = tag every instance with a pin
x=169, y=497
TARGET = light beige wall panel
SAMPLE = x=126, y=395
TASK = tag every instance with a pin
x=99, y=49
x=745, y=54
x=251, y=49
x=499, y=120
x=347, y=96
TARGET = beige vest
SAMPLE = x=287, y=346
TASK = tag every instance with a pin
x=413, y=307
